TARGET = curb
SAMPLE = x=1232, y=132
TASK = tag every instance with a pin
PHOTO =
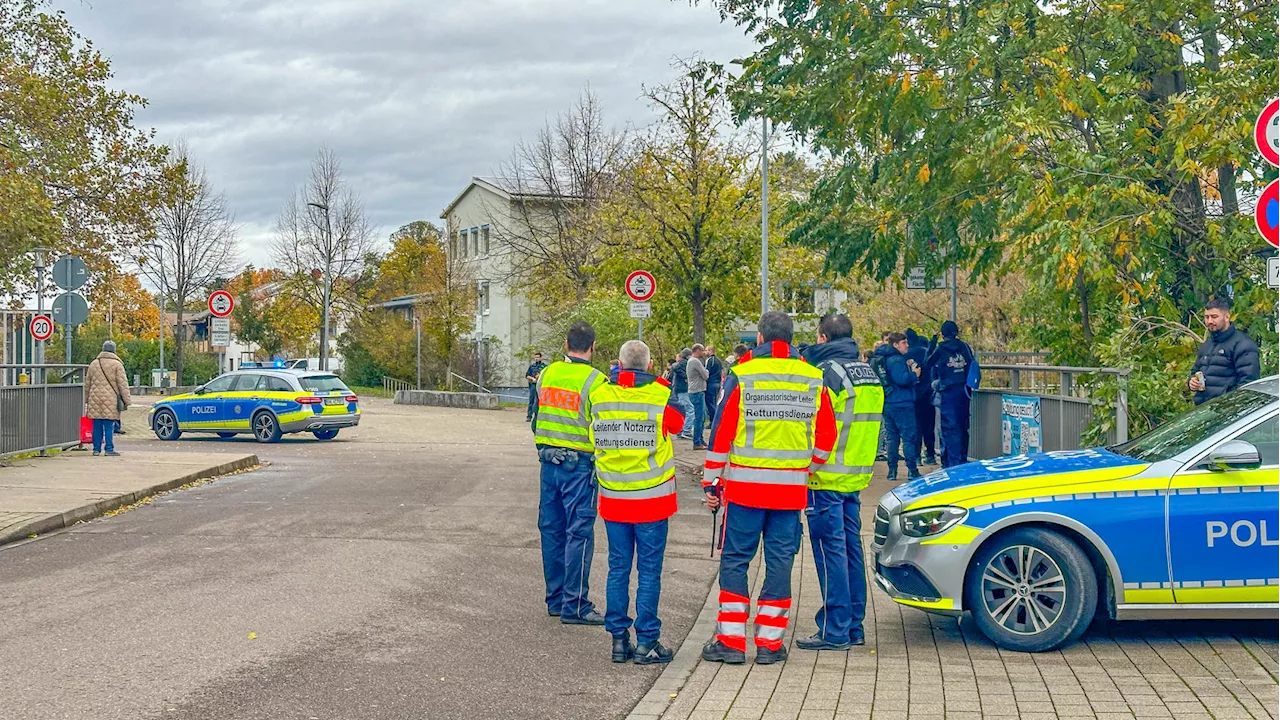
x=57, y=521
x=677, y=672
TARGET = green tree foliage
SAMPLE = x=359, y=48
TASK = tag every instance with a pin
x=75, y=174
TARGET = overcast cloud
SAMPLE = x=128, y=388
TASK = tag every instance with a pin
x=416, y=96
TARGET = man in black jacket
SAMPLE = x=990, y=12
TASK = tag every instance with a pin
x=948, y=367
x=1227, y=359
x=926, y=413
x=715, y=369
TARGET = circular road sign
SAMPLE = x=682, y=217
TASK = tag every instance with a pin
x=69, y=273
x=641, y=286
x=70, y=309
x=1266, y=132
x=41, y=327
x=221, y=303
x=1267, y=214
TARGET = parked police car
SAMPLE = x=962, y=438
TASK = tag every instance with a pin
x=266, y=402
x=1178, y=523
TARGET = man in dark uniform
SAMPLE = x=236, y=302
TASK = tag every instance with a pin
x=535, y=369
x=948, y=366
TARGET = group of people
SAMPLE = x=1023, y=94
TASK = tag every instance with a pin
x=789, y=433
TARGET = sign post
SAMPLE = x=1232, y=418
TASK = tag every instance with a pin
x=41, y=327
x=640, y=288
x=221, y=303
x=69, y=273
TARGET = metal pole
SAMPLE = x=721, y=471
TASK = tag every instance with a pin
x=953, y=293
x=160, y=262
x=38, y=375
x=764, y=216
x=328, y=292
x=1122, y=409
x=68, y=330
x=417, y=326
x=640, y=329
x=480, y=362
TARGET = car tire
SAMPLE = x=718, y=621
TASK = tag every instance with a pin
x=266, y=428
x=225, y=435
x=165, y=425
x=1014, y=598
x=325, y=434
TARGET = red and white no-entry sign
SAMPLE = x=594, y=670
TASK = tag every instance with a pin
x=641, y=286
x=221, y=303
x=41, y=327
x=1266, y=132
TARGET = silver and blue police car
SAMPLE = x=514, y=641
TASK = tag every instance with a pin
x=1178, y=523
x=264, y=402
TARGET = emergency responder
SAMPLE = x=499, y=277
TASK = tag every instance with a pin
x=833, y=513
x=774, y=423
x=567, y=507
x=949, y=367
x=632, y=421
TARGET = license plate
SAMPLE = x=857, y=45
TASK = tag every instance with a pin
x=334, y=401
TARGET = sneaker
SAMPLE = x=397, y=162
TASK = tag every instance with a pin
x=917, y=476
x=856, y=637
x=817, y=643
x=892, y=478
x=112, y=453
x=765, y=656
x=653, y=654
x=716, y=651
x=96, y=453
x=931, y=460
x=590, y=618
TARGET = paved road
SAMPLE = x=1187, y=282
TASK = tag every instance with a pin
x=391, y=573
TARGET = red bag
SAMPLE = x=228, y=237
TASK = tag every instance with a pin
x=86, y=430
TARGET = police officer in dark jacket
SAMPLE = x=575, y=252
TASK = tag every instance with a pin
x=531, y=374
x=948, y=367
x=899, y=377
x=926, y=413
x=1227, y=359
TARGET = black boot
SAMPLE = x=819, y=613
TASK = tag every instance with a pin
x=765, y=656
x=591, y=618
x=651, y=654
x=623, y=650
x=716, y=651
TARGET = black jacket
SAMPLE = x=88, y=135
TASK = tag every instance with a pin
x=680, y=377
x=898, y=380
x=919, y=351
x=714, y=369
x=842, y=350
x=1228, y=359
x=949, y=364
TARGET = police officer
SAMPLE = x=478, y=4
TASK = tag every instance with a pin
x=773, y=424
x=531, y=374
x=948, y=366
x=567, y=507
x=632, y=420
x=833, y=512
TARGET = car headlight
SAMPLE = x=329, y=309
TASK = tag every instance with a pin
x=931, y=521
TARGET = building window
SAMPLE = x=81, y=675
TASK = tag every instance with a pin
x=475, y=241
x=462, y=244
x=483, y=292
x=484, y=239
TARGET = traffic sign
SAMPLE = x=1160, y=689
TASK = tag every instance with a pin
x=1267, y=214
x=640, y=310
x=69, y=273
x=221, y=303
x=1273, y=271
x=641, y=286
x=919, y=279
x=219, y=332
x=70, y=309
x=1266, y=132
x=41, y=327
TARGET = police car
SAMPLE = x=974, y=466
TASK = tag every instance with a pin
x=266, y=402
x=1178, y=523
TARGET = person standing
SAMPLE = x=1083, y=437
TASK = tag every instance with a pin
x=615, y=367
x=715, y=377
x=680, y=388
x=834, y=511
x=106, y=395
x=899, y=376
x=773, y=424
x=632, y=420
x=1226, y=359
x=698, y=377
x=566, y=506
x=948, y=366
x=531, y=374
x=926, y=413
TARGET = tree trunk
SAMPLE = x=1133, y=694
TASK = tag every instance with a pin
x=178, y=345
x=1082, y=294
x=1226, y=171
x=699, y=300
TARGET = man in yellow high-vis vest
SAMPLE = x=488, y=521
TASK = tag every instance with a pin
x=833, y=512
x=567, y=504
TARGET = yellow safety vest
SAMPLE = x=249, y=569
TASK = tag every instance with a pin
x=633, y=457
x=779, y=402
x=564, y=405
x=857, y=403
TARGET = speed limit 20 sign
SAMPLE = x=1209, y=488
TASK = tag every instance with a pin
x=221, y=303
x=641, y=286
x=41, y=327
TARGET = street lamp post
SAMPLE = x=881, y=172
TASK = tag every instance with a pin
x=328, y=284
x=41, y=262
x=764, y=216
x=417, y=328
x=159, y=269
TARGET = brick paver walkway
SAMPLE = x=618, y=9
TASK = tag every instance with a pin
x=934, y=668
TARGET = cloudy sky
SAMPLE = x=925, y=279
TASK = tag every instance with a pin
x=416, y=96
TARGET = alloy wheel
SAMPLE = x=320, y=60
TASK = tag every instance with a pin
x=264, y=427
x=1023, y=589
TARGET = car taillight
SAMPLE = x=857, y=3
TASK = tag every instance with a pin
x=352, y=398
x=309, y=400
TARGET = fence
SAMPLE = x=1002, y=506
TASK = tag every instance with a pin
x=1065, y=406
x=392, y=385
x=39, y=417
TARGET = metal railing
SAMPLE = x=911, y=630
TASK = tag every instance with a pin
x=39, y=417
x=392, y=385
x=480, y=388
x=1066, y=409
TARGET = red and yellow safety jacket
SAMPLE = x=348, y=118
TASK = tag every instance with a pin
x=632, y=422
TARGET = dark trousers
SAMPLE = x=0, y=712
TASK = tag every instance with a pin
x=744, y=529
x=926, y=414
x=566, y=519
x=834, y=531
x=533, y=403
x=643, y=544
x=955, y=427
x=699, y=417
x=103, y=435
x=900, y=430
x=712, y=397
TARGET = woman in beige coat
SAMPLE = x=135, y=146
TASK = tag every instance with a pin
x=106, y=393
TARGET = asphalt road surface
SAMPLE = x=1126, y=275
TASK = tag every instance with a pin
x=391, y=573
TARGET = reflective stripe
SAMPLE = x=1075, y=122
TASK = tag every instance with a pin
x=768, y=632
x=821, y=454
x=773, y=611
x=768, y=454
x=771, y=477
x=652, y=474
x=845, y=469
x=739, y=607
x=557, y=435
x=732, y=629
x=718, y=457
x=549, y=415
x=863, y=417
x=710, y=475
x=666, y=488
x=750, y=378
x=605, y=407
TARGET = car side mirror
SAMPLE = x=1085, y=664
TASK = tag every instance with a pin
x=199, y=390
x=1233, y=455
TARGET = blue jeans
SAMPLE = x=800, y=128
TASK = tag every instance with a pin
x=954, y=412
x=645, y=544
x=744, y=527
x=834, y=527
x=699, y=416
x=899, y=423
x=566, y=520
x=103, y=434
x=682, y=399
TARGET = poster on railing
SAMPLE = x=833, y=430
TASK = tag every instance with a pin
x=1019, y=424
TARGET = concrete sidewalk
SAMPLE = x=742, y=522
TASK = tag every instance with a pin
x=42, y=494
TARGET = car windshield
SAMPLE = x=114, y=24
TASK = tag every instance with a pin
x=322, y=383
x=1195, y=426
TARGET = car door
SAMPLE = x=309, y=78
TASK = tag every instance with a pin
x=239, y=403
x=1224, y=538
x=204, y=411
